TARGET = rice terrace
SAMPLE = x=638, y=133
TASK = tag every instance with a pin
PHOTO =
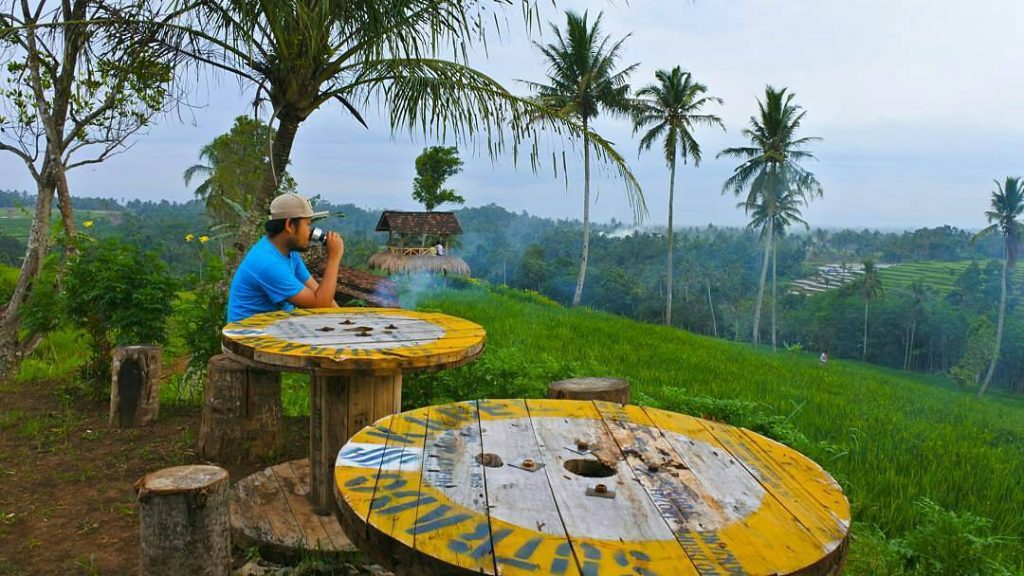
x=448, y=287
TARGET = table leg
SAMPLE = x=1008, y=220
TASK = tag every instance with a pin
x=340, y=406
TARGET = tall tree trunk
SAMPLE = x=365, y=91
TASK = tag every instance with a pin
x=714, y=322
x=671, y=243
x=775, y=254
x=864, y=348
x=999, y=331
x=281, y=149
x=11, y=352
x=586, y=217
x=760, y=286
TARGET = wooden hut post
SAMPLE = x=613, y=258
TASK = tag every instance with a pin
x=607, y=389
x=242, y=418
x=135, y=386
x=185, y=521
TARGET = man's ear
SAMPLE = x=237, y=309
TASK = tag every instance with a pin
x=290, y=226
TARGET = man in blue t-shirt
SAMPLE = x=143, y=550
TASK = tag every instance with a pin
x=272, y=275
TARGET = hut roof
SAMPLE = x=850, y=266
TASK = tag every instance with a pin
x=399, y=264
x=419, y=223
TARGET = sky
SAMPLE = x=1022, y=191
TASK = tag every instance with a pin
x=919, y=105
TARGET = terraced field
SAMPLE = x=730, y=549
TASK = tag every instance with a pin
x=939, y=276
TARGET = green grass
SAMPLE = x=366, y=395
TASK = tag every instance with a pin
x=939, y=276
x=888, y=437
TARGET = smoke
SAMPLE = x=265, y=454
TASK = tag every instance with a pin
x=413, y=287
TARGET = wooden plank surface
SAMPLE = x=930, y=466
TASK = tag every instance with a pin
x=690, y=496
x=528, y=533
x=620, y=533
x=354, y=339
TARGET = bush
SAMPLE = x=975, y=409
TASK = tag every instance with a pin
x=121, y=296
x=8, y=280
x=497, y=374
x=943, y=543
x=202, y=316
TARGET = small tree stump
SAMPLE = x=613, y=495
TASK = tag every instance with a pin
x=608, y=389
x=185, y=524
x=241, y=412
x=135, y=386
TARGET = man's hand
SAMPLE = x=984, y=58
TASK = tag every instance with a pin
x=335, y=246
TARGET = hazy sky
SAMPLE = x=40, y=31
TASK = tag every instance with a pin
x=920, y=104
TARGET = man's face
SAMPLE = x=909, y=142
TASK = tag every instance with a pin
x=298, y=234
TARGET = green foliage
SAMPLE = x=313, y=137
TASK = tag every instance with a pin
x=58, y=357
x=8, y=280
x=948, y=544
x=978, y=353
x=201, y=314
x=120, y=295
x=233, y=168
x=434, y=166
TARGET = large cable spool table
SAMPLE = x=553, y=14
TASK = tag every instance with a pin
x=356, y=358
x=584, y=487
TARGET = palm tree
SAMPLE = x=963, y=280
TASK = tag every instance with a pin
x=774, y=216
x=583, y=80
x=868, y=287
x=303, y=54
x=770, y=168
x=231, y=168
x=673, y=106
x=1007, y=207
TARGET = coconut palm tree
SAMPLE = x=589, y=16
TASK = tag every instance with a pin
x=773, y=216
x=673, y=105
x=771, y=168
x=231, y=167
x=583, y=80
x=1007, y=208
x=408, y=56
x=868, y=287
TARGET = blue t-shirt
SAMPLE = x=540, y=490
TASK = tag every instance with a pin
x=264, y=281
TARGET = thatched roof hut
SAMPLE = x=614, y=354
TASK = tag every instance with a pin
x=413, y=238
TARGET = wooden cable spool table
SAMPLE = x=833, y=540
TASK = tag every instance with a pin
x=356, y=358
x=584, y=487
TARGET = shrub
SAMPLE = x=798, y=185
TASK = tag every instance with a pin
x=121, y=296
x=202, y=315
x=497, y=374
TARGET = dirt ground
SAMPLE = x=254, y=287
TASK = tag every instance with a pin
x=67, y=504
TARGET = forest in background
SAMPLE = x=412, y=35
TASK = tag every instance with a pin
x=932, y=324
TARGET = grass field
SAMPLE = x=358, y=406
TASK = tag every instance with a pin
x=939, y=276
x=889, y=438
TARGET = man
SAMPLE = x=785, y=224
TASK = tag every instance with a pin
x=272, y=276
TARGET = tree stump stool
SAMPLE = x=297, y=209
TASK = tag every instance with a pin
x=241, y=412
x=607, y=389
x=185, y=524
x=135, y=386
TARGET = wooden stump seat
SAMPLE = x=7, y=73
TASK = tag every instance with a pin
x=591, y=388
x=184, y=516
x=242, y=419
x=135, y=386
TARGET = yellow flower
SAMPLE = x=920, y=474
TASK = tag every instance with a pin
x=189, y=237
x=87, y=223
x=204, y=239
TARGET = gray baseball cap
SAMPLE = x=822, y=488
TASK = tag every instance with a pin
x=293, y=206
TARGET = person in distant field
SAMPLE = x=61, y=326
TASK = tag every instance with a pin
x=439, y=249
x=823, y=358
x=272, y=276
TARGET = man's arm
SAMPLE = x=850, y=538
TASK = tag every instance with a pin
x=322, y=294
x=312, y=284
